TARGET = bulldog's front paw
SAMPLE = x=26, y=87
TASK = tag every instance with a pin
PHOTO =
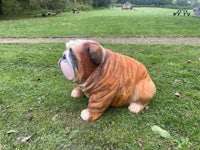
x=77, y=92
x=85, y=115
x=136, y=108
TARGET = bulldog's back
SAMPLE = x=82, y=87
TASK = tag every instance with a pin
x=124, y=72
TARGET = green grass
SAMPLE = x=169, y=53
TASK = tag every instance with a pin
x=108, y=22
x=35, y=100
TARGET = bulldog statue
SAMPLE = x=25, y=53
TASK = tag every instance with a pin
x=106, y=78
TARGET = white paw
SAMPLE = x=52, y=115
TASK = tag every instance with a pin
x=135, y=108
x=85, y=114
x=75, y=93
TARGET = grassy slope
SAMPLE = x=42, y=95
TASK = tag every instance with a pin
x=35, y=100
x=110, y=22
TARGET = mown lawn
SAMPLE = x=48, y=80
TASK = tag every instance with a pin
x=35, y=102
x=106, y=22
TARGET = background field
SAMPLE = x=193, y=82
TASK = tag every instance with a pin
x=109, y=22
x=35, y=100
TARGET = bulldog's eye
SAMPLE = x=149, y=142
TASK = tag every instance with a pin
x=73, y=58
x=88, y=49
x=64, y=56
x=71, y=52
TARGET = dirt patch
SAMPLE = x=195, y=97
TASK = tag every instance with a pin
x=113, y=40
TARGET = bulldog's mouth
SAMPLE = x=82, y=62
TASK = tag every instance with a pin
x=67, y=68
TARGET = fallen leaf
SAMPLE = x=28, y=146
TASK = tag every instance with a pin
x=2, y=147
x=177, y=81
x=30, y=109
x=30, y=117
x=24, y=139
x=160, y=131
x=12, y=131
x=199, y=59
x=54, y=117
x=188, y=61
x=140, y=142
x=147, y=107
x=177, y=94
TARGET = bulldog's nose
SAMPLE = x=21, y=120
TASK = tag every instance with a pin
x=61, y=59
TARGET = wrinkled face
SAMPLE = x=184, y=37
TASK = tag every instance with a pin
x=80, y=59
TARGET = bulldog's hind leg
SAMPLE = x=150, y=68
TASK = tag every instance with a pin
x=136, y=107
x=77, y=92
x=144, y=92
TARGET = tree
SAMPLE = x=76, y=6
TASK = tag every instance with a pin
x=1, y=12
x=10, y=7
x=146, y=2
x=181, y=2
x=102, y=3
x=195, y=2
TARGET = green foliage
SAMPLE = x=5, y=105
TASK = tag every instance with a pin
x=34, y=4
x=11, y=7
x=83, y=7
x=54, y=5
x=18, y=6
x=162, y=2
x=195, y=2
x=102, y=3
x=181, y=2
x=147, y=2
x=14, y=7
x=163, y=133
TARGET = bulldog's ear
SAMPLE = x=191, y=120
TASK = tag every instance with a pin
x=96, y=52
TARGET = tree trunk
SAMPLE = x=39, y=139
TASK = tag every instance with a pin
x=1, y=12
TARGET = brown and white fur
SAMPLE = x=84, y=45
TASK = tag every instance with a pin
x=106, y=78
